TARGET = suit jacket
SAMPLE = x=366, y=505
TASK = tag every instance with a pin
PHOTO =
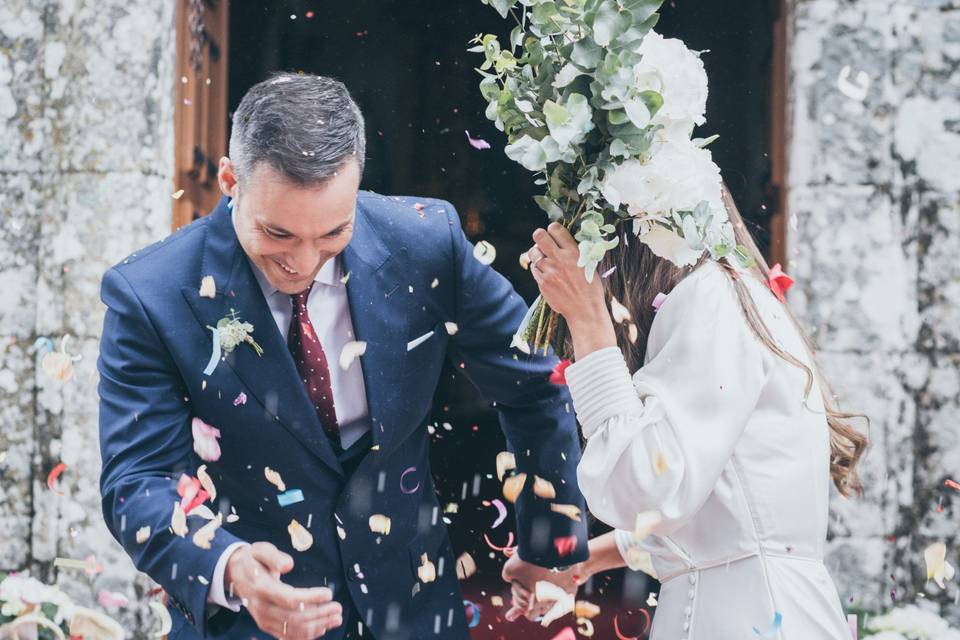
x=153, y=351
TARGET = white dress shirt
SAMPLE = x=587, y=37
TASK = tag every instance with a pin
x=714, y=432
x=329, y=311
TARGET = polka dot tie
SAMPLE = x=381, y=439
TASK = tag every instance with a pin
x=311, y=363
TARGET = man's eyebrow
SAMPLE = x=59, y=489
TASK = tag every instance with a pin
x=334, y=232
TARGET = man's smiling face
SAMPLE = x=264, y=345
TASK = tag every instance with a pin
x=290, y=231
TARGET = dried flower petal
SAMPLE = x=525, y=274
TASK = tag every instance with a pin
x=205, y=440
x=351, y=351
x=485, y=253
x=274, y=478
x=143, y=534
x=620, y=313
x=427, y=572
x=543, y=488
x=204, y=535
x=379, y=523
x=513, y=486
x=300, y=538
x=178, y=521
x=208, y=288
x=505, y=462
x=466, y=566
x=572, y=511
x=206, y=482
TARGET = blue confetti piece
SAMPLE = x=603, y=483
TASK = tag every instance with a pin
x=774, y=630
x=290, y=497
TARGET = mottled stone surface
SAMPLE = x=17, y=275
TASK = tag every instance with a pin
x=86, y=164
x=874, y=200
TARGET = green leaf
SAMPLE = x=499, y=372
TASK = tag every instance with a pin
x=617, y=116
x=586, y=54
x=528, y=152
x=555, y=113
x=502, y=6
x=653, y=100
x=566, y=75
x=552, y=209
x=609, y=24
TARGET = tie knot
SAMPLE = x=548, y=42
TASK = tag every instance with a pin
x=300, y=299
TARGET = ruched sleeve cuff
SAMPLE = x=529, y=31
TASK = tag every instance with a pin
x=601, y=388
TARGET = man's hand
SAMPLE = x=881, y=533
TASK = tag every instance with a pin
x=524, y=577
x=253, y=575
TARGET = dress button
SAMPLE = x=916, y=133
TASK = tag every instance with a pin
x=688, y=611
x=686, y=626
x=692, y=578
x=691, y=593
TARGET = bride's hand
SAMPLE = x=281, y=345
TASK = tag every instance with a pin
x=563, y=284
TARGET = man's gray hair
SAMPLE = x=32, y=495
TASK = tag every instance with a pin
x=305, y=127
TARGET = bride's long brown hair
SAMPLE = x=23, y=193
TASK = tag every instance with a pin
x=640, y=275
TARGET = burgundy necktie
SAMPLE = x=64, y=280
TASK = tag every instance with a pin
x=311, y=363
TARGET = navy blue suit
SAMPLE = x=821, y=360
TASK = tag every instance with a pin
x=154, y=348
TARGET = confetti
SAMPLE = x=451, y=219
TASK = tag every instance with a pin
x=620, y=313
x=585, y=627
x=89, y=564
x=938, y=569
x=609, y=272
x=952, y=484
x=290, y=497
x=52, y=478
x=178, y=520
x=543, y=488
x=496, y=601
x=427, y=572
x=57, y=365
x=204, y=535
x=434, y=284
x=191, y=493
x=176, y=195
x=584, y=609
x=451, y=328
x=112, y=599
x=206, y=482
x=524, y=261
x=565, y=545
x=558, y=375
x=472, y=613
x=351, y=351
x=652, y=600
x=208, y=288
x=477, y=143
x=466, y=566
x=619, y=634
x=240, y=400
x=205, y=442
x=774, y=630
x=505, y=462
x=632, y=333
x=143, y=534
x=501, y=511
x=572, y=511
x=413, y=344
x=563, y=601
x=485, y=253
x=215, y=353
x=403, y=475
x=658, y=301
x=659, y=463
x=300, y=538
x=495, y=547
x=567, y=633
x=513, y=486
x=274, y=478
x=166, y=622
x=779, y=282
x=379, y=523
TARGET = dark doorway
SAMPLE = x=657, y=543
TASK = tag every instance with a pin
x=405, y=62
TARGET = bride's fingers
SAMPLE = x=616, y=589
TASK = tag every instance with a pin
x=561, y=236
x=515, y=613
x=546, y=243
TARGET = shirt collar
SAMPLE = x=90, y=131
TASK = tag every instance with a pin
x=329, y=275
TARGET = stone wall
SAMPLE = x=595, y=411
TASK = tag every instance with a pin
x=874, y=189
x=86, y=159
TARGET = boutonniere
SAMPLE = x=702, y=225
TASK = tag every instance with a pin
x=230, y=332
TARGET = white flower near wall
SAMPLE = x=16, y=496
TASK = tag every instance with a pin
x=671, y=69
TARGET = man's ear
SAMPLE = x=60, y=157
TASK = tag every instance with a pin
x=226, y=178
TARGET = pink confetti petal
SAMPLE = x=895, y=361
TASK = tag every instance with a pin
x=477, y=143
x=240, y=399
x=501, y=512
x=205, y=440
x=404, y=475
x=658, y=301
x=112, y=599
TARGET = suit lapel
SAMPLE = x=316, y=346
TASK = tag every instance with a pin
x=272, y=379
x=378, y=310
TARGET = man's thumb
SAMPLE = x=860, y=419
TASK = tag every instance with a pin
x=272, y=557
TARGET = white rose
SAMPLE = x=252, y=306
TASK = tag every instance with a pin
x=677, y=178
x=678, y=74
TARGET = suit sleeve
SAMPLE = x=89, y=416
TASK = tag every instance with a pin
x=145, y=444
x=536, y=416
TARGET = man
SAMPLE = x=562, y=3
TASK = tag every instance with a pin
x=311, y=417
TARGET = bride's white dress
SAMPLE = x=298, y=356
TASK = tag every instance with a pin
x=713, y=432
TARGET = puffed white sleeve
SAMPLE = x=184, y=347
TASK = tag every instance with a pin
x=659, y=441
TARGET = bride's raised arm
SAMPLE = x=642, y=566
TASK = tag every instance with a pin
x=659, y=441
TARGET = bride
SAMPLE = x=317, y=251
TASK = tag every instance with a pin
x=718, y=450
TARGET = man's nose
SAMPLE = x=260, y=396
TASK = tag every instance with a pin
x=304, y=261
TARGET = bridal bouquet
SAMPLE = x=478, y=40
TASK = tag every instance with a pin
x=30, y=609
x=602, y=109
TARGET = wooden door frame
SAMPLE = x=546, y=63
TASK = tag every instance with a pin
x=200, y=122
x=779, y=111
